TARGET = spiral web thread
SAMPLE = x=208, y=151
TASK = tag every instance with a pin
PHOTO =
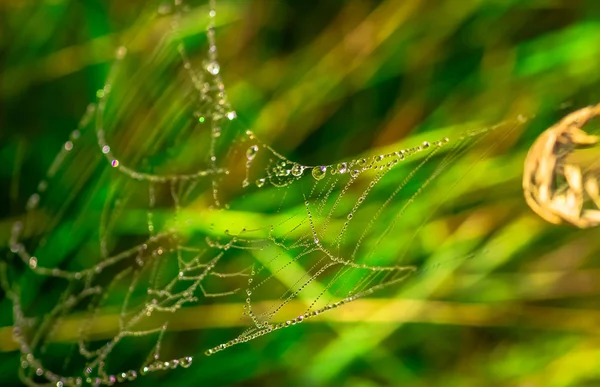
x=323, y=241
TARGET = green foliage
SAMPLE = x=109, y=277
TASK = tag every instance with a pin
x=498, y=298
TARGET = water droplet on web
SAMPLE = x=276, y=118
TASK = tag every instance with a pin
x=105, y=149
x=216, y=132
x=251, y=152
x=260, y=182
x=114, y=163
x=68, y=146
x=33, y=201
x=201, y=119
x=100, y=93
x=33, y=262
x=426, y=144
x=121, y=52
x=342, y=167
x=349, y=216
x=319, y=172
x=355, y=173
x=213, y=67
x=297, y=170
x=231, y=115
x=164, y=8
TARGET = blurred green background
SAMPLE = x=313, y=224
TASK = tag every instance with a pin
x=322, y=82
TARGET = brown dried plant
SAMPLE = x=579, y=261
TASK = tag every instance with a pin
x=557, y=188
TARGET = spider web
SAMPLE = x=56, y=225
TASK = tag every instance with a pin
x=189, y=206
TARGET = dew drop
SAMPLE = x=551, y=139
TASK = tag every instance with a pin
x=251, y=152
x=426, y=144
x=68, y=146
x=33, y=262
x=164, y=8
x=186, y=361
x=297, y=170
x=105, y=149
x=349, y=216
x=342, y=167
x=121, y=52
x=231, y=115
x=131, y=375
x=33, y=201
x=213, y=67
x=319, y=172
x=260, y=182
x=355, y=173
x=114, y=163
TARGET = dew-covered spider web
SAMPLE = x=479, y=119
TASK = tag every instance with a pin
x=189, y=206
